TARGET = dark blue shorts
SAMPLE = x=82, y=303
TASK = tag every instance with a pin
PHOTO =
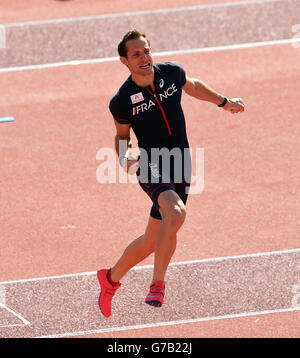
x=157, y=182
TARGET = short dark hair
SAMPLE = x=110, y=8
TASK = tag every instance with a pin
x=130, y=35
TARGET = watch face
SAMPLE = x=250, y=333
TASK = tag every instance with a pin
x=121, y=159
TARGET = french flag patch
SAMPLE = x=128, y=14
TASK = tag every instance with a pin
x=134, y=111
x=136, y=98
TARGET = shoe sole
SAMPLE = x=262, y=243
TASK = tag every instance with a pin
x=154, y=303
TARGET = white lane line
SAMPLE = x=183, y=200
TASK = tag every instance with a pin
x=3, y=305
x=59, y=64
x=24, y=320
x=155, y=54
x=12, y=325
x=168, y=323
x=143, y=267
x=143, y=12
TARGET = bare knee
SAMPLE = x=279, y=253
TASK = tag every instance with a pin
x=172, y=210
x=174, y=217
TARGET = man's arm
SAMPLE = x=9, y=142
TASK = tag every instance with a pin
x=123, y=145
x=202, y=91
x=122, y=134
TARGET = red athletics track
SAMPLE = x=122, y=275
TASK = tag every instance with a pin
x=31, y=10
x=57, y=219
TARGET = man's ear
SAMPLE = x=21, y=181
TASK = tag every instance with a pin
x=124, y=60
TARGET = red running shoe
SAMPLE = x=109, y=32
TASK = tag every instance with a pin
x=107, y=292
x=156, y=294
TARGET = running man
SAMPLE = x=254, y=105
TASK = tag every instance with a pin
x=149, y=103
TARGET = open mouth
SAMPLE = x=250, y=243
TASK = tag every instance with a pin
x=145, y=67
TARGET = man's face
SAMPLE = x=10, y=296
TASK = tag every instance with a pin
x=139, y=58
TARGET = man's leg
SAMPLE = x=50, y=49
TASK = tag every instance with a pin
x=173, y=214
x=137, y=251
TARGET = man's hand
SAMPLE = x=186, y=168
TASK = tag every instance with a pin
x=129, y=164
x=234, y=105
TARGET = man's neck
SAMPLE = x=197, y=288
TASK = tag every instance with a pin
x=144, y=81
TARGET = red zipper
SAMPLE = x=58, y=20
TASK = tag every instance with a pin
x=161, y=109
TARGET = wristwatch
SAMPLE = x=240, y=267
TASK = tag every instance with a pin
x=122, y=158
x=223, y=103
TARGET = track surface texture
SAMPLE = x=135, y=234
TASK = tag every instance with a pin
x=236, y=269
